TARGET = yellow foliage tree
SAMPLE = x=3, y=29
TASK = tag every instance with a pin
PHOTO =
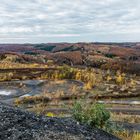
x=88, y=86
x=132, y=83
x=109, y=78
x=78, y=75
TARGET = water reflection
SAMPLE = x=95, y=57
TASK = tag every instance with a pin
x=5, y=92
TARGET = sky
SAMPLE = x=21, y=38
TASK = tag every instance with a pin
x=42, y=21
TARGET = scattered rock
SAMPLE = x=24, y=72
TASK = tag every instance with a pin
x=124, y=88
x=116, y=93
x=129, y=92
x=112, y=86
x=133, y=89
x=109, y=90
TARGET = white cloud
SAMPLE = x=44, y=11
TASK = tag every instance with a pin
x=29, y=19
x=15, y=30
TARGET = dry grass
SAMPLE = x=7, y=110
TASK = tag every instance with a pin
x=125, y=118
x=32, y=100
x=9, y=65
x=126, y=135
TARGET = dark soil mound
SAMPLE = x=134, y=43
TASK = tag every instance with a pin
x=16, y=124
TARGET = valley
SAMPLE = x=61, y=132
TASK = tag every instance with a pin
x=48, y=79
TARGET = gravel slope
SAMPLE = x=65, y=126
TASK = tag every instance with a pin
x=17, y=124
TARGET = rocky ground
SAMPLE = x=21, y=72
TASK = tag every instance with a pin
x=17, y=124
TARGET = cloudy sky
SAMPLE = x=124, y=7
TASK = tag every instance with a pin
x=36, y=21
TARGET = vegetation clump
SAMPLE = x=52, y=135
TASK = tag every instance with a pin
x=31, y=100
x=96, y=115
x=93, y=115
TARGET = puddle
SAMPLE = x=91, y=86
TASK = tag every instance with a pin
x=129, y=102
x=26, y=95
x=5, y=92
x=32, y=82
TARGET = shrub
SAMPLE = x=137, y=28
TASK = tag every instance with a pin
x=93, y=115
x=50, y=114
x=31, y=53
x=110, y=55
